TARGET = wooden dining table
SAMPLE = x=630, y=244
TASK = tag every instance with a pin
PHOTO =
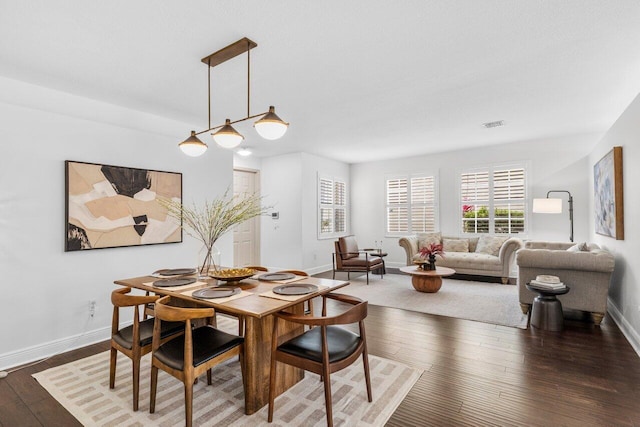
x=257, y=311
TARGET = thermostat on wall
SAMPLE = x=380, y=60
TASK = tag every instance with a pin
x=275, y=215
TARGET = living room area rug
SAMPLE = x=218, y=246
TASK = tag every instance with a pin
x=82, y=387
x=464, y=299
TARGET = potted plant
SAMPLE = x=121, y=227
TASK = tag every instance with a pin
x=429, y=252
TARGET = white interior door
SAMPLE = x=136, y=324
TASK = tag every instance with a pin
x=246, y=236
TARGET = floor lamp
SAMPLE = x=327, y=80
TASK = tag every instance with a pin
x=554, y=206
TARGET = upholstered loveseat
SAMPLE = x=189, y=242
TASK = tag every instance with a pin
x=481, y=256
x=586, y=269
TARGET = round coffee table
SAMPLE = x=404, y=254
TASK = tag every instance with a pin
x=427, y=280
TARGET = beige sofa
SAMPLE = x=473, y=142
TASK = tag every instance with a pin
x=497, y=264
x=587, y=272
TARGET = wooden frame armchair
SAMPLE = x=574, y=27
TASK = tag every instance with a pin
x=348, y=258
x=136, y=340
x=188, y=356
x=324, y=349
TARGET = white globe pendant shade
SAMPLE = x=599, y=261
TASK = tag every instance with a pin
x=192, y=146
x=270, y=126
x=227, y=136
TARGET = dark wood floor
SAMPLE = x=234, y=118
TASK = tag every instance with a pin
x=475, y=374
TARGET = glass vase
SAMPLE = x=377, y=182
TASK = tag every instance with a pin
x=208, y=258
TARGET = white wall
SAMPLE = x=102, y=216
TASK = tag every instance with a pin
x=281, y=186
x=553, y=164
x=45, y=291
x=624, y=294
x=289, y=184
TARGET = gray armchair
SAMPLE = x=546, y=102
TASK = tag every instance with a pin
x=587, y=273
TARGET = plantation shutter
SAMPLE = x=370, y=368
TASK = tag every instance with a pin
x=397, y=212
x=474, y=192
x=509, y=200
x=339, y=201
x=493, y=200
x=411, y=204
x=423, y=218
x=332, y=207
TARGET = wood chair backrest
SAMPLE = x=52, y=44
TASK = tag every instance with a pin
x=296, y=272
x=354, y=314
x=120, y=298
x=257, y=267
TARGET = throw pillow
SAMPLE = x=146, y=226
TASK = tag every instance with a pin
x=579, y=247
x=490, y=244
x=455, y=245
x=425, y=239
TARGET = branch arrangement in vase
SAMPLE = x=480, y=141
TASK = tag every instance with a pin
x=210, y=220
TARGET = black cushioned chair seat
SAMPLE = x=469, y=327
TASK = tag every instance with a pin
x=124, y=337
x=341, y=343
x=208, y=342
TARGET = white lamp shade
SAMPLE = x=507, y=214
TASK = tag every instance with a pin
x=192, y=146
x=227, y=140
x=549, y=206
x=271, y=130
x=227, y=136
x=270, y=126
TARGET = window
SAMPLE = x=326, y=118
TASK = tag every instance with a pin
x=493, y=200
x=411, y=204
x=332, y=202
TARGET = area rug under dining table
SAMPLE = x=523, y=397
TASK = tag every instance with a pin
x=464, y=299
x=82, y=387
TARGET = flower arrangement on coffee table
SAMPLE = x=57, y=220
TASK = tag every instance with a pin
x=428, y=256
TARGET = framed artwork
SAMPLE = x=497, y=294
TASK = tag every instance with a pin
x=114, y=206
x=608, y=198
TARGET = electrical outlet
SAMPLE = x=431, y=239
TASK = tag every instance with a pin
x=92, y=307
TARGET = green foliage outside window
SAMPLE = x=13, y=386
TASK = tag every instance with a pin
x=506, y=221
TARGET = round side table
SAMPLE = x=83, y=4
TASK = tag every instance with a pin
x=546, y=311
x=378, y=253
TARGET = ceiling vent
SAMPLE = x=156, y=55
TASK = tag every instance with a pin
x=490, y=125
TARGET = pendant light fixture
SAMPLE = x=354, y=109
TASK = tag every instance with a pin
x=192, y=146
x=269, y=126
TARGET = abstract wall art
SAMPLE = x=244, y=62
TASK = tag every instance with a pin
x=114, y=206
x=608, y=195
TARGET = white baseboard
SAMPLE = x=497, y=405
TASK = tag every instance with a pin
x=42, y=351
x=627, y=329
x=319, y=269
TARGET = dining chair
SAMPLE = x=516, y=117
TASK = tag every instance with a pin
x=189, y=355
x=148, y=308
x=325, y=349
x=134, y=341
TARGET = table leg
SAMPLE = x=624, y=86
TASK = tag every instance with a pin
x=257, y=359
x=429, y=284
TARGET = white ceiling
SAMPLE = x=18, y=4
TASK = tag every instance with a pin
x=359, y=80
